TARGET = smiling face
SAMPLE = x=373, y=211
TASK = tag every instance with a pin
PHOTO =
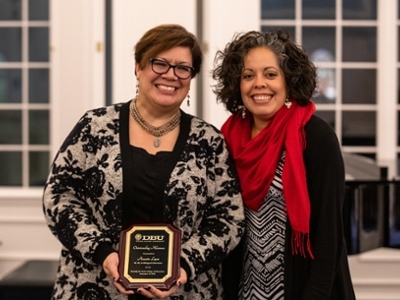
x=165, y=90
x=262, y=85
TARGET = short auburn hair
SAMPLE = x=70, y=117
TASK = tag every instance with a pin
x=164, y=37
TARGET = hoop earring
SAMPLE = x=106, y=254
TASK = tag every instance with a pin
x=188, y=100
x=243, y=112
x=288, y=104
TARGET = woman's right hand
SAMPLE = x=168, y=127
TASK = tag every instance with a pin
x=110, y=267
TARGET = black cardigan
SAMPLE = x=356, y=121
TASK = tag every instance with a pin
x=327, y=277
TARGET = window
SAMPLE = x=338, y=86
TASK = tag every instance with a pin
x=341, y=38
x=24, y=92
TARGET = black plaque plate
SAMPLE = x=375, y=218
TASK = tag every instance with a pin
x=149, y=254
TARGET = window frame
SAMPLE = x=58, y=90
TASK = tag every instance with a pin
x=386, y=66
x=77, y=70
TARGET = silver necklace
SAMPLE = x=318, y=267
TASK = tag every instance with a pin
x=159, y=131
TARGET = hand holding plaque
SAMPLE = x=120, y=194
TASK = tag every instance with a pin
x=149, y=255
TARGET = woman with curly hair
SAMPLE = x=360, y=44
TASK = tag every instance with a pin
x=291, y=174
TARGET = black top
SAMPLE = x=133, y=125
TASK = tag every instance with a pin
x=163, y=174
x=146, y=183
x=146, y=174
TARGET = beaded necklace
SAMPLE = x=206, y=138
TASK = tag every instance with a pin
x=159, y=131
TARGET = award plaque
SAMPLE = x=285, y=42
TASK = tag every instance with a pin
x=149, y=254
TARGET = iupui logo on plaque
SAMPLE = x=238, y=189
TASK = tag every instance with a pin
x=149, y=254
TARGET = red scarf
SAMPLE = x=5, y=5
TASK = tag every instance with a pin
x=257, y=159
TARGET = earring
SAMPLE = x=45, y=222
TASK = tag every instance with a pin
x=243, y=112
x=288, y=104
x=188, y=100
x=137, y=89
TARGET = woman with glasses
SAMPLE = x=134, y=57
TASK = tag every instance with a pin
x=147, y=162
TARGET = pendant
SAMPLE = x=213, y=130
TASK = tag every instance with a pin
x=157, y=142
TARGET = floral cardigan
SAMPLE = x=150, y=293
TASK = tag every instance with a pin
x=88, y=185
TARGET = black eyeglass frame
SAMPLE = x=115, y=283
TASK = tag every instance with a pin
x=152, y=60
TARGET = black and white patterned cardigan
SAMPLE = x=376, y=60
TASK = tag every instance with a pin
x=84, y=195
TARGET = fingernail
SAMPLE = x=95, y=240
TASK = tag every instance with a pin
x=138, y=291
x=147, y=287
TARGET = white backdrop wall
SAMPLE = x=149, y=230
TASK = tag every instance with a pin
x=222, y=19
x=77, y=63
x=130, y=20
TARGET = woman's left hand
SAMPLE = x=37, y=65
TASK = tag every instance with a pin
x=153, y=293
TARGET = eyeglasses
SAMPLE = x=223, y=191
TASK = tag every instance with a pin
x=161, y=67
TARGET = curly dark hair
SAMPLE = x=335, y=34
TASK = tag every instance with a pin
x=300, y=73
